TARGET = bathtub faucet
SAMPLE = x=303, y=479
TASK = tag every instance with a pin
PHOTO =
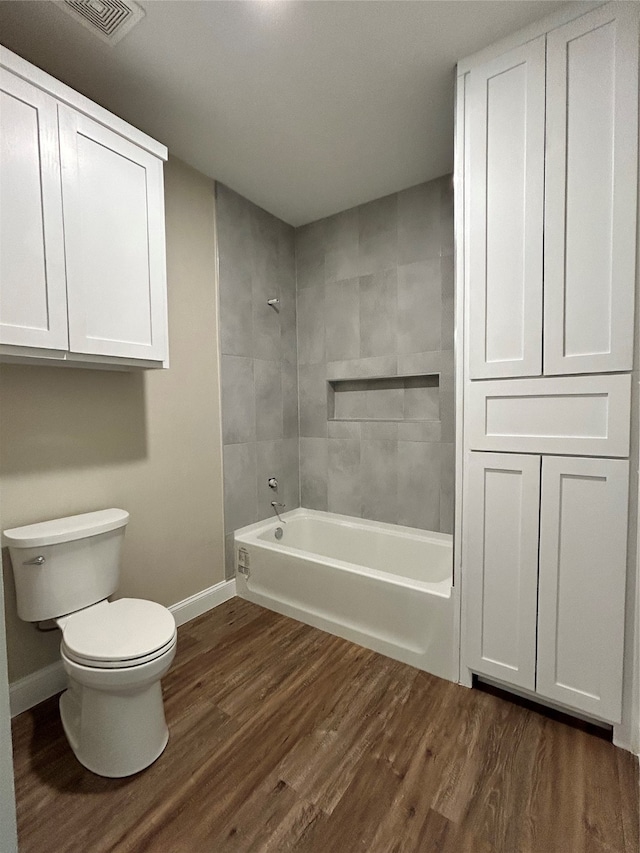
x=275, y=506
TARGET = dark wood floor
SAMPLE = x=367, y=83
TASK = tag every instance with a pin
x=286, y=738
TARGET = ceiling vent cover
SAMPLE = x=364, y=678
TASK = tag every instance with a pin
x=110, y=20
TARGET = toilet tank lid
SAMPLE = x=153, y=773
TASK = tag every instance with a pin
x=66, y=529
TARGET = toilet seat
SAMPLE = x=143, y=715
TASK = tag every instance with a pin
x=124, y=633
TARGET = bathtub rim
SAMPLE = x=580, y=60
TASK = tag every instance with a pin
x=249, y=535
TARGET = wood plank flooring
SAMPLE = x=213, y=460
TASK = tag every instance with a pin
x=284, y=738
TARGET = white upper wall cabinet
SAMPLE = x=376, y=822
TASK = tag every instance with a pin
x=591, y=190
x=506, y=157
x=551, y=166
x=583, y=549
x=32, y=276
x=114, y=239
x=82, y=262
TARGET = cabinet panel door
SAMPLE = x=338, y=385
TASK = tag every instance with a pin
x=583, y=547
x=114, y=236
x=506, y=165
x=500, y=563
x=33, y=302
x=591, y=191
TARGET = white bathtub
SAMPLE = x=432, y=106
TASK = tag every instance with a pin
x=383, y=586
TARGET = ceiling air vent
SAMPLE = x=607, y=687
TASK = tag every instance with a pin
x=110, y=20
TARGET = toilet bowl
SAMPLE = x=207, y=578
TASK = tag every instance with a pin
x=114, y=653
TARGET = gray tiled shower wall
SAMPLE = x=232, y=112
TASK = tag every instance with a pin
x=366, y=294
x=258, y=362
x=374, y=300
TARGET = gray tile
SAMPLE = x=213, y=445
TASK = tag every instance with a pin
x=311, y=325
x=350, y=403
x=312, y=389
x=343, y=480
x=419, y=485
x=229, y=557
x=310, y=271
x=265, y=246
x=447, y=363
x=383, y=431
x=238, y=400
x=419, y=431
x=344, y=429
x=447, y=408
x=447, y=487
x=289, y=482
x=309, y=239
x=419, y=223
x=342, y=319
x=288, y=326
x=309, y=243
x=341, y=246
x=447, y=321
x=422, y=403
x=416, y=363
x=446, y=215
x=361, y=368
x=419, y=307
x=269, y=404
x=266, y=321
x=313, y=473
x=269, y=464
x=233, y=228
x=379, y=480
x=378, y=235
x=385, y=403
x=240, y=504
x=378, y=313
x=236, y=316
x=289, y=376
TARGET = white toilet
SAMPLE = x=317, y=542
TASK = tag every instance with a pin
x=114, y=653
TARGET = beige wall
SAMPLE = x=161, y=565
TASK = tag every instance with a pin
x=74, y=440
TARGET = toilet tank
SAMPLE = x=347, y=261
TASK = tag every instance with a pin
x=65, y=564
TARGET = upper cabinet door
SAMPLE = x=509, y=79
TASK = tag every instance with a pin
x=114, y=237
x=591, y=192
x=33, y=306
x=500, y=561
x=583, y=548
x=506, y=166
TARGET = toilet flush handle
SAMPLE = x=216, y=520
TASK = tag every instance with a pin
x=36, y=561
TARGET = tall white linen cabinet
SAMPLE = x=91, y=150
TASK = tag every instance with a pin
x=547, y=194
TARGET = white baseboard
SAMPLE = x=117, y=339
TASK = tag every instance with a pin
x=52, y=679
x=36, y=687
x=207, y=599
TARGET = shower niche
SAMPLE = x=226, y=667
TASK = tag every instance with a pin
x=394, y=399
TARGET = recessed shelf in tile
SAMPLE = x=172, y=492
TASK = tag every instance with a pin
x=414, y=398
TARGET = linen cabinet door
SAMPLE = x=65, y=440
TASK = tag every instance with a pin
x=583, y=548
x=506, y=172
x=33, y=301
x=591, y=192
x=500, y=563
x=112, y=196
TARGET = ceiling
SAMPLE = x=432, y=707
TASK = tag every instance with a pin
x=306, y=108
